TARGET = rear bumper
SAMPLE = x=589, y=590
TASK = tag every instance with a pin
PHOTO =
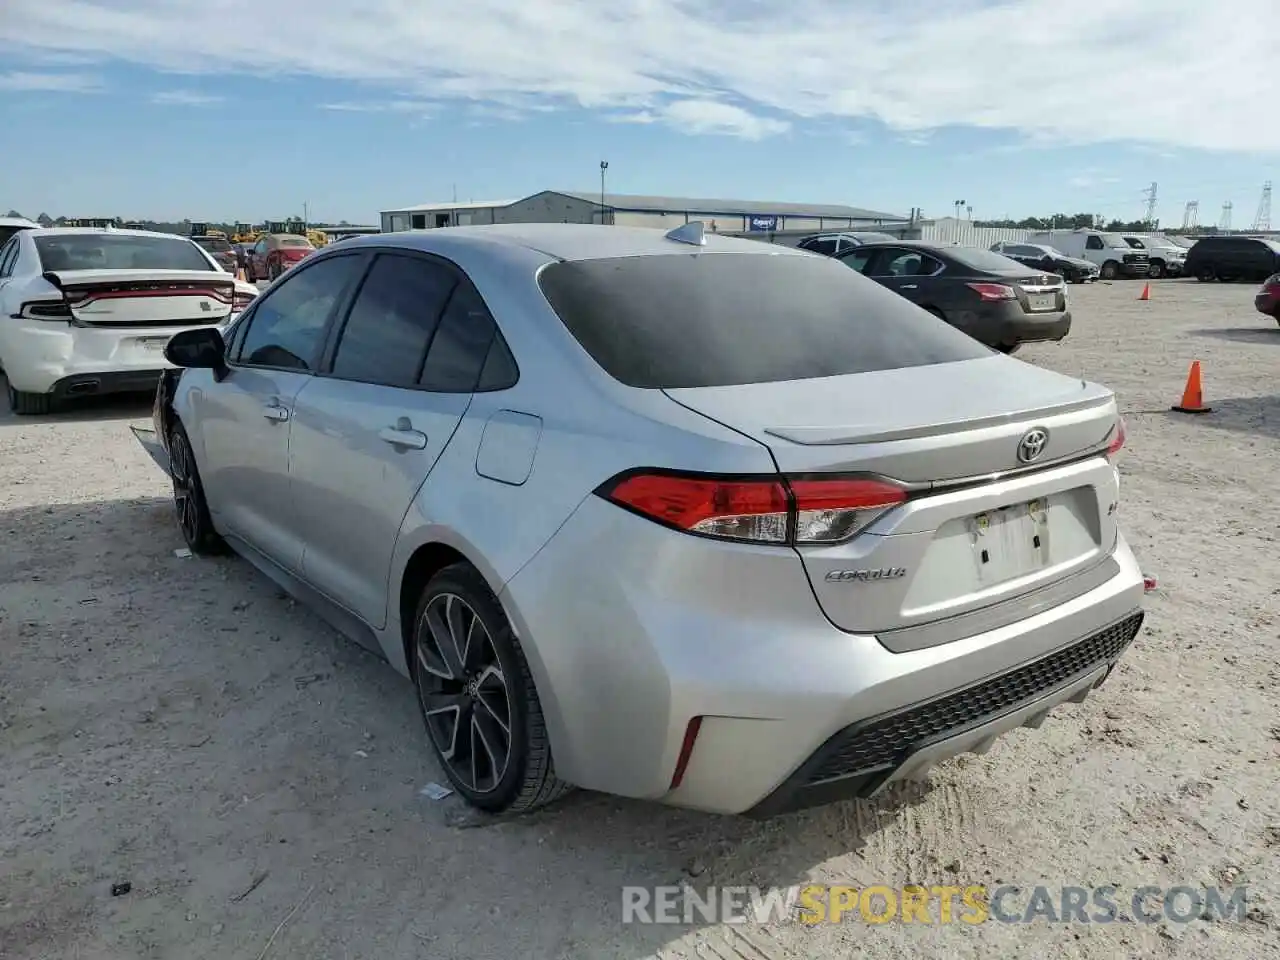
x=66, y=360
x=1007, y=324
x=631, y=632
x=862, y=759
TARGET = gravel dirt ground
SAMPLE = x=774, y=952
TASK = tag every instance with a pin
x=180, y=725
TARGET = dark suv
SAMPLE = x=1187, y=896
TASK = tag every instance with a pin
x=1233, y=258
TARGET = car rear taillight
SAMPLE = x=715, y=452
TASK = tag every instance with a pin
x=45, y=310
x=1116, y=442
x=992, y=292
x=778, y=510
x=240, y=301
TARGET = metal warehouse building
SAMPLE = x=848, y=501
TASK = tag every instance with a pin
x=567, y=206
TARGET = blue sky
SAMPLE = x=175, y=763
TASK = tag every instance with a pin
x=236, y=109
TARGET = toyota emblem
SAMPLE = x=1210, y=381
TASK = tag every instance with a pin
x=1032, y=445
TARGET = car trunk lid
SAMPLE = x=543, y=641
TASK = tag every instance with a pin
x=145, y=298
x=982, y=523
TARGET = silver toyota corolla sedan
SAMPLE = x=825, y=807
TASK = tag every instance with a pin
x=674, y=516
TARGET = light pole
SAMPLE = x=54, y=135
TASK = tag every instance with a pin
x=604, y=165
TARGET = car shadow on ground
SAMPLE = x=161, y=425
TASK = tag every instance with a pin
x=1270, y=335
x=1256, y=415
x=113, y=406
x=230, y=735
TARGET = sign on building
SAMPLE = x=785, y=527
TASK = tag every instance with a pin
x=762, y=224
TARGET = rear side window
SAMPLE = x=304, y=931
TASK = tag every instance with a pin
x=392, y=321
x=706, y=320
x=461, y=345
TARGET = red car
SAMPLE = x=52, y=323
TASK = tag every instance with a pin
x=275, y=253
x=1267, y=299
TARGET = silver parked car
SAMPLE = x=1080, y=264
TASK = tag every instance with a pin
x=675, y=516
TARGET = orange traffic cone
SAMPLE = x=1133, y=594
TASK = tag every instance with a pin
x=240, y=275
x=1146, y=292
x=1192, y=398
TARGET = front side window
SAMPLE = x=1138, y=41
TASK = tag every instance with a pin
x=287, y=326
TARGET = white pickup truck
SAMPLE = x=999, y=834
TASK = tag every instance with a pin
x=1167, y=259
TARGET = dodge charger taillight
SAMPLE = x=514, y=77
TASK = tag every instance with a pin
x=781, y=510
x=240, y=300
x=45, y=310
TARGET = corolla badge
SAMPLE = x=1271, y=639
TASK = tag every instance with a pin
x=865, y=576
x=1032, y=444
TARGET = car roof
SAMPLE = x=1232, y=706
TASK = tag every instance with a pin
x=567, y=241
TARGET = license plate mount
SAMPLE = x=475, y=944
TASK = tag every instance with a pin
x=1011, y=541
x=1042, y=302
x=153, y=344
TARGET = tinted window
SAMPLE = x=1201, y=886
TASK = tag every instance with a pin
x=714, y=320
x=1093, y=243
x=215, y=244
x=984, y=260
x=500, y=371
x=392, y=320
x=859, y=258
x=825, y=245
x=104, y=251
x=907, y=263
x=288, y=325
x=461, y=345
x=293, y=242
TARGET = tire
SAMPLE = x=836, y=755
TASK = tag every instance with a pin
x=188, y=497
x=1110, y=269
x=30, y=404
x=1156, y=270
x=273, y=272
x=480, y=690
x=1008, y=348
x=1206, y=274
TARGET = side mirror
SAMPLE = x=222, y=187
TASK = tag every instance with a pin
x=202, y=349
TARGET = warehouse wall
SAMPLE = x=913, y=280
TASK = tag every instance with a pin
x=549, y=208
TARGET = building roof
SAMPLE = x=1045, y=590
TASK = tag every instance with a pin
x=655, y=204
x=456, y=205
x=567, y=241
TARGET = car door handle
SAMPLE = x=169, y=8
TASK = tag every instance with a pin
x=403, y=437
x=273, y=411
x=909, y=286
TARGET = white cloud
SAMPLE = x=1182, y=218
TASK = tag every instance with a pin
x=1146, y=70
x=378, y=106
x=50, y=82
x=185, y=98
x=710, y=117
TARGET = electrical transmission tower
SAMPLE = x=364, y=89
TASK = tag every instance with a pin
x=1191, y=215
x=1150, y=194
x=1224, y=222
x=1262, y=219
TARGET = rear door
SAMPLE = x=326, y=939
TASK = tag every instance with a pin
x=904, y=271
x=368, y=431
x=245, y=419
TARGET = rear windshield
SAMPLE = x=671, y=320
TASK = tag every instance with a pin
x=100, y=251
x=215, y=244
x=294, y=242
x=723, y=319
x=985, y=260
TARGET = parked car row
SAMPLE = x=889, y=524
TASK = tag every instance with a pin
x=823, y=554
